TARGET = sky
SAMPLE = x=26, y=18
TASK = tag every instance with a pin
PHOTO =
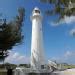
x=59, y=42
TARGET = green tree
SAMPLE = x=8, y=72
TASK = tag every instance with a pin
x=10, y=33
x=61, y=7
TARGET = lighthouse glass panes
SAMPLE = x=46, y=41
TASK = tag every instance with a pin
x=37, y=11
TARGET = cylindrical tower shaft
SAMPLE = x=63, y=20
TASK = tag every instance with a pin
x=37, y=53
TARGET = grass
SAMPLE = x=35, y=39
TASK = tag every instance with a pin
x=69, y=66
x=3, y=72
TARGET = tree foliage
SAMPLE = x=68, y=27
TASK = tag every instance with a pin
x=10, y=33
x=61, y=7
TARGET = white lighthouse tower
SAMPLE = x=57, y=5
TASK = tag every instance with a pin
x=37, y=51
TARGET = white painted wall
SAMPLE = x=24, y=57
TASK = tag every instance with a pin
x=37, y=51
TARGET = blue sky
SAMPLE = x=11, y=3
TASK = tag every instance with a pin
x=58, y=42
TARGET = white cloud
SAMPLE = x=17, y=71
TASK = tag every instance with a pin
x=72, y=32
x=67, y=57
x=67, y=20
x=15, y=55
x=17, y=58
x=57, y=23
x=68, y=54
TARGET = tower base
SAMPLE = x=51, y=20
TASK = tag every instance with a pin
x=29, y=71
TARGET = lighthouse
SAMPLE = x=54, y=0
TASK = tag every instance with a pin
x=37, y=50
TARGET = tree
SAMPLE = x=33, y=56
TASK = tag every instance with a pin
x=25, y=65
x=61, y=7
x=10, y=33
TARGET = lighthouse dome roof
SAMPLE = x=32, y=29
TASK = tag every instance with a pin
x=36, y=13
x=36, y=8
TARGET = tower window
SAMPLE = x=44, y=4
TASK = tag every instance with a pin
x=42, y=66
x=37, y=11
